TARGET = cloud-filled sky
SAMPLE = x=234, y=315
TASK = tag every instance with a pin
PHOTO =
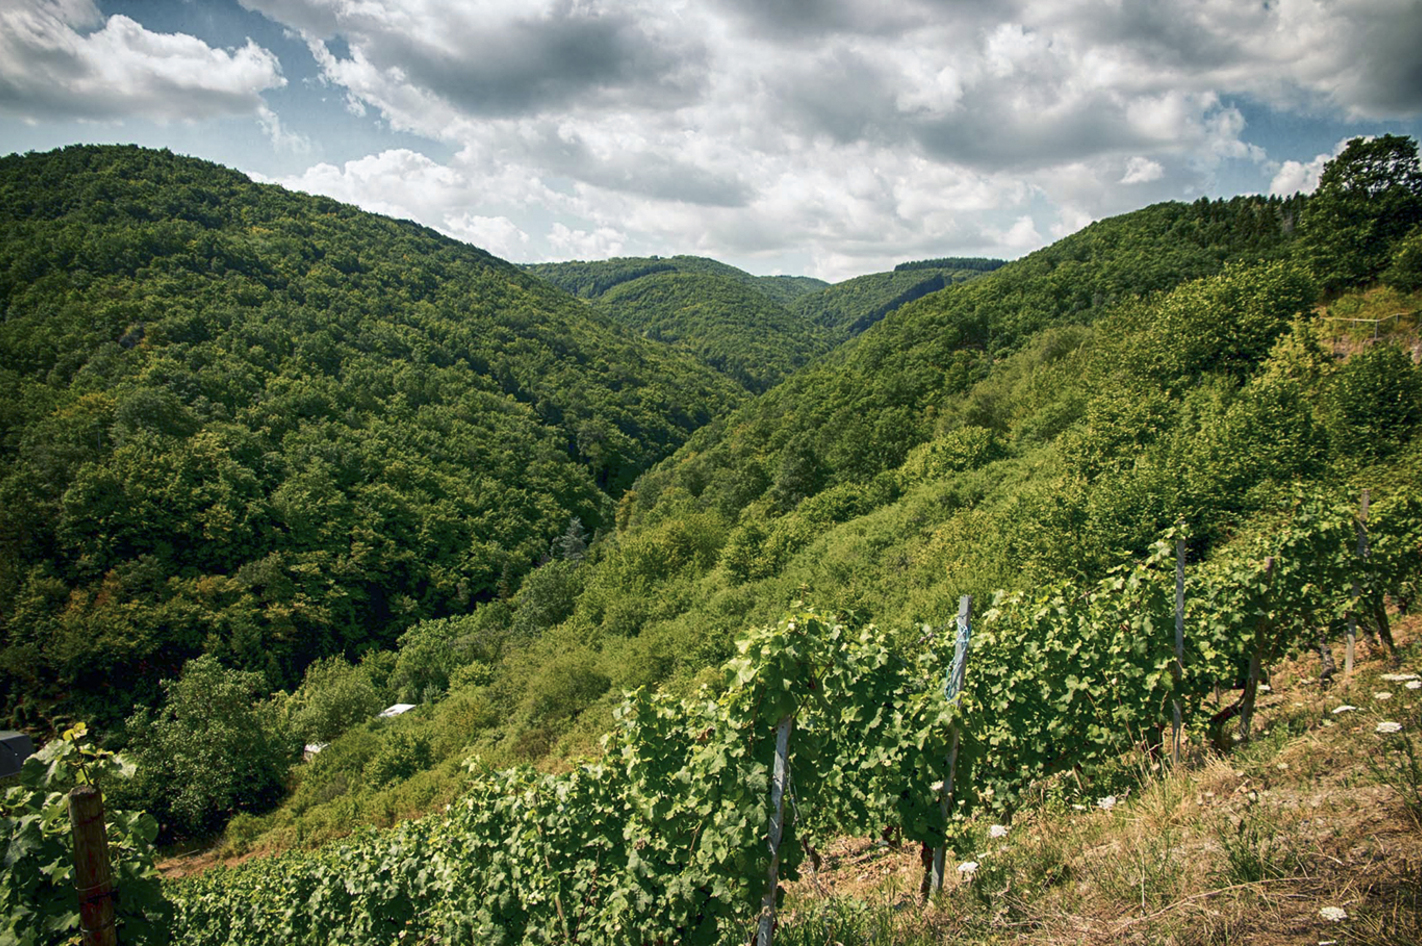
x=819, y=137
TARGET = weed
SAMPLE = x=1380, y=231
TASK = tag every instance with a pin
x=1257, y=846
x=1395, y=764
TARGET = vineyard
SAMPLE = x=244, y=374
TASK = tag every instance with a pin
x=822, y=729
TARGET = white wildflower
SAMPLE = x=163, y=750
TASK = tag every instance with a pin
x=1333, y=914
x=997, y=831
x=1078, y=807
x=1382, y=696
x=1107, y=803
x=937, y=786
x=1389, y=727
x=1345, y=708
x=968, y=867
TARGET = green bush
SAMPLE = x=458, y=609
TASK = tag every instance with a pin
x=212, y=749
x=1405, y=273
x=1374, y=404
x=401, y=755
x=966, y=448
x=333, y=697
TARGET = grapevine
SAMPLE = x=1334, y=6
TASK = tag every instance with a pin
x=664, y=838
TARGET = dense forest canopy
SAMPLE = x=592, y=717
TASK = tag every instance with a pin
x=848, y=308
x=976, y=263
x=269, y=426
x=733, y=322
x=726, y=324
x=590, y=279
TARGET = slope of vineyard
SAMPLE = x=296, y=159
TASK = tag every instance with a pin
x=1165, y=390
x=1307, y=833
x=664, y=837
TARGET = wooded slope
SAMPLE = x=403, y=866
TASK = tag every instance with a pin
x=269, y=426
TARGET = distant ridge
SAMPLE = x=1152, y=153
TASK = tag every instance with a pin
x=975, y=263
x=738, y=324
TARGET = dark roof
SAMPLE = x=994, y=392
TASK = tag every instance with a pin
x=15, y=748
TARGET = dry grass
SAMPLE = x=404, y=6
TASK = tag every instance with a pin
x=1244, y=848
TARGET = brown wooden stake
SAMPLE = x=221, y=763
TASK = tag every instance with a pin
x=780, y=776
x=1178, y=669
x=92, y=878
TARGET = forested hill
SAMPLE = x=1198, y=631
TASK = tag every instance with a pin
x=590, y=279
x=735, y=323
x=850, y=307
x=271, y=426
x=861, y=410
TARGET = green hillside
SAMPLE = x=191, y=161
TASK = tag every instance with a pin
x=850, y=307
x=731, y=321
x=723, y=322
x=590, y=279
x=266, y=426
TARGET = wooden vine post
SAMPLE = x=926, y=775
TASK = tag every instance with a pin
x=92, y=878
x=1256, y=659
x=1353, y=611
x=952, y=690
x=780, y=777
x=1177, y=669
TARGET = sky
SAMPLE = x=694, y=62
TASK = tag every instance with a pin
x=827, y=138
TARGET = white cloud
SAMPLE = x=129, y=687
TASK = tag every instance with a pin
x=1295, y=176
x=1022, y=235
x=281, y=138
x=398, y=182
x=1070, y=219
x=498, y=235
x=601, y=243
x=1140, y=170
x=757, y=128
x=62, y=58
